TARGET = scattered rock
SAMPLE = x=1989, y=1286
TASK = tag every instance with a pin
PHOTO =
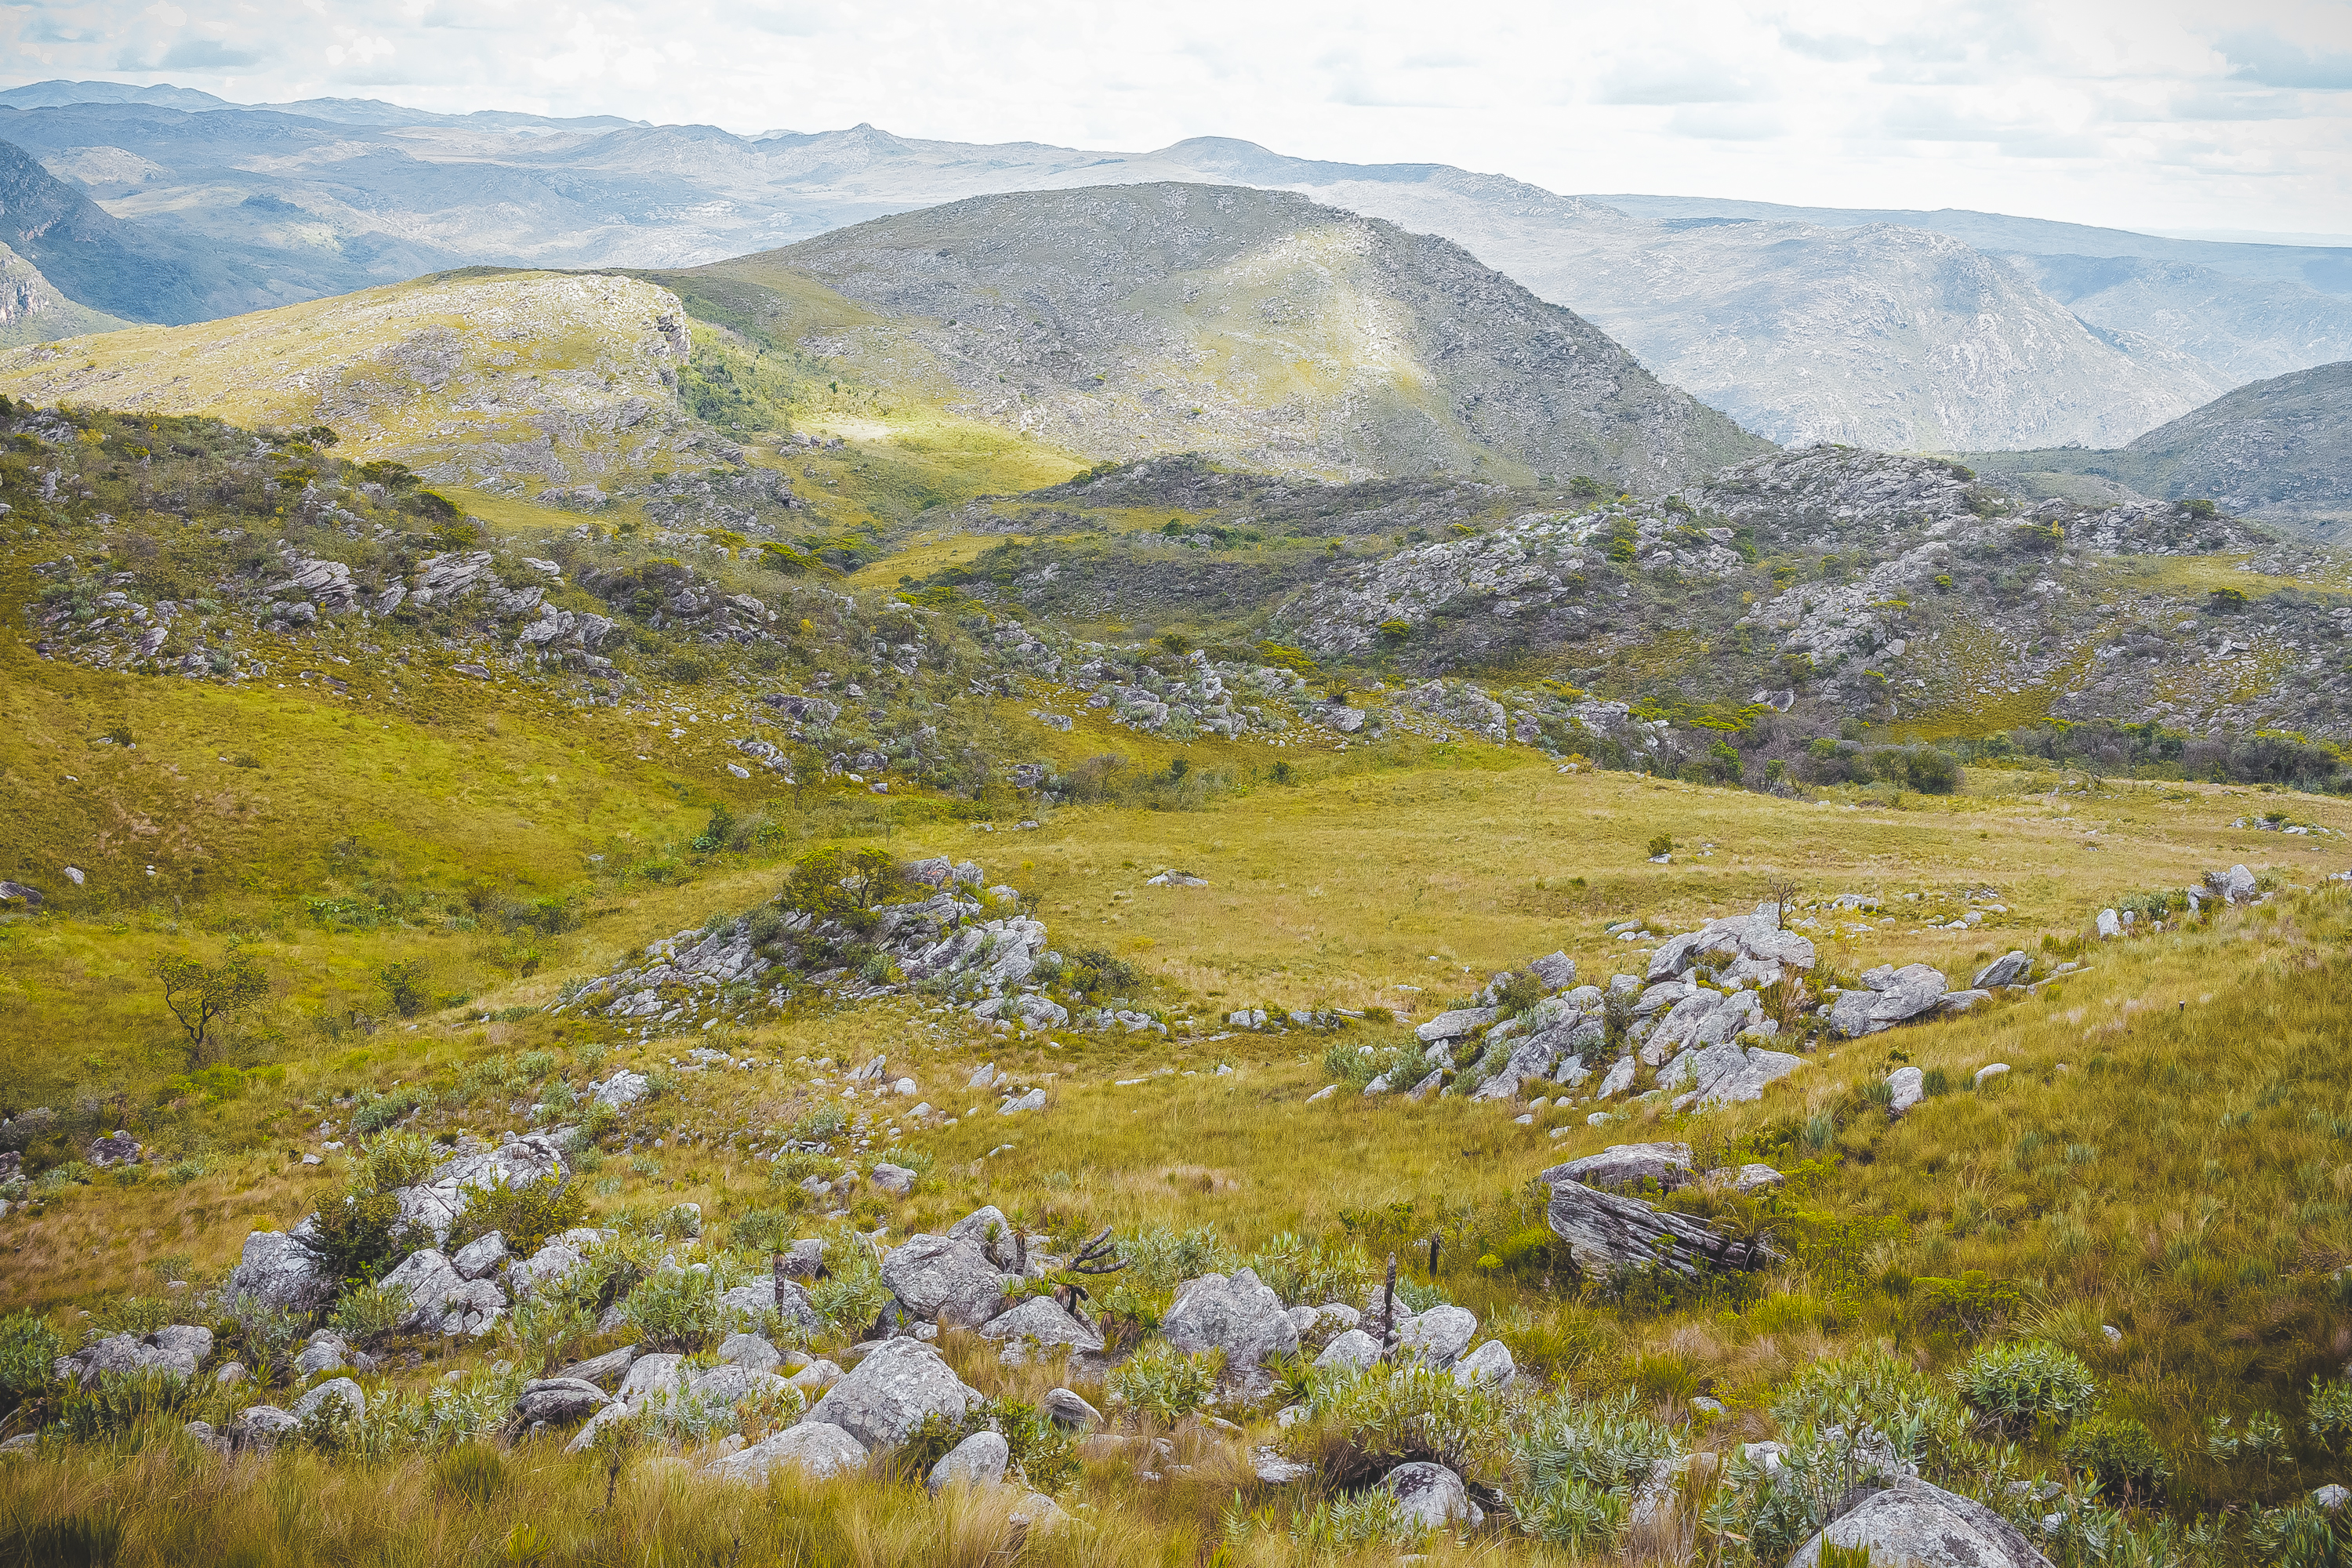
x=339, y=1389
x=260, y=1425
x=1907, y=1087
x=117, y=1149
x=2109, y=926
x=622, y=1089
x=559, y=1401
x=1490, y=1364
x=1986, y=1074
x=1041, y=1321
x=1068, y=1409
x=945, y=1279
x=1622, y=1166
x=1433, y=1496
x=2009, y=969
x=1353, y=1349
x=479, y=1256
x=1234, y=1313
x=1439, y=1335
x=896, y=1180
x=1606, y=1232
x=1728, y=1074
x=1033, y=1100
x=2236, y=884
x=278, y=1269
x=325, y=1352
x=749, y=1351
x=441, y=1301
x=1454, y=1026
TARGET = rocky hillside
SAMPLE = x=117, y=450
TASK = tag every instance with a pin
x=33, y=311
x=517, y=382
x=1253, y=325
x=2277, y=450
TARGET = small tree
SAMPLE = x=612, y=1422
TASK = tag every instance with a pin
x=199, y=995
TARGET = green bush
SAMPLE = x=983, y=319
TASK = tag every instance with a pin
x=2329, y=1412
x=359, y=1235
x=1363, y=1422
x=472, y=1473
x=28, y=1347
x=1576, y=1466
x=380, y=1111
x=1162, y=1381
x=1310, y=1273
x=525, y=1214
x=405, y=987
x=2118, y=1453
x=399, y=1160
x=119, y=1402
x=677, y=1309
x=2017, y=1387
x=369, y=1314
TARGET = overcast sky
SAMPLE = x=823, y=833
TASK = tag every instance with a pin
x=2138, y=114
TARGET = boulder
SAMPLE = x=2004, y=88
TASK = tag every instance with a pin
x=559, y=1401
x=1438, y=1336
x=1033, y=1100
x=325, y=1352
x=1455, y=1025
x=1433, y=1496
x=1606, y=1232
x=2009, y=969
x=548, y=1264
x=1726, y=1074
x=432, y=1205
x=2236, y=884
x=479, y=1257
x=896, y=1180
x=794, y=1314
x=654, y=1375
x=1890, y=996
x=117, y=1149
x=987, y=1229
x=1629, y=1165
x=1041, y=1321
x=622, y=1089
x=1066, y=1409
x=114, y=1353
x=2109, y=925
x=1489, y=1364
x=441, y=1301
x=945, y=1279
x=730, y=1383
x=187, y=1343
x=1753, y=1177
x=279, y=1270
x=341, y=1390
x=1618, y=1079
x=750, y=1351
x=1353, y=1349
x=888, y=1394
x=817, y=1448
x=260, y=1425
x=603, y=1368
x=1234, y=1313
x=804, y=1259
x=1923, y=1526
x=1557, y=971
x=1906, y=1087
x=978, y=1461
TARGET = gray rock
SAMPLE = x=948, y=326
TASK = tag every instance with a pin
x=1728, y=1074
x=1066, y=1408
x=479, y=1256
x=441, y=1301
x=1353, y=1349
x=1033, y=1100
x=1892, y=997
x=1909, y=1087
x=750, y=1351
x=730, y=1383
x=1234, y=1313
x=1914, y=1523
x=260, y=1425
x=341, y=1389
x=2331, y=1497
x=987, y=1229
x=1556, y=970
x=982, y=1076
x=889, y=1394
x=559, y=1401
x=817, y=1448
x=548, y=1264
x=655, y=1375
x=2236, y=884
x=1755, y=1178
x=896, y=1180
x=586, y=1438
x=2109, y=925
x=1426, y=1086
x=117, y=1149
x=1618, y=1079
x=804, y=1259
x=114, y=1353
x=1455, y=1025
x=622, y=1089
x=978, y=1461
x=604, y=1368
x=1489, y=1364
x=231, y=1375
x=795, y=1315
x=323, y=1353
x=1041, y=1319
x=279, y=1270
x=1987, y=1073
x=1439, y=1335
x=191, y=1342
x=944, y=1280
x=1271, y=1467
x=1625, y=1165
x=1605, y=1232
x=2007, y=970
x=1433, y=1496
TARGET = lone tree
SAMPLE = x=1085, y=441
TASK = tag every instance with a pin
x=198, y=995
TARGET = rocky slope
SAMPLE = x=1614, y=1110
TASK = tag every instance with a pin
x=1257, y=326
x=2278, y=449
x=35, y=310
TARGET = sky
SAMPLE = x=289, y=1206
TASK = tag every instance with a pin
x=2142, y=115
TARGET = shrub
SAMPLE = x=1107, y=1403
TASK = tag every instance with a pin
x=1365, y=1422
x=819, y=1123
x=399, y=1160
x=2329, y=1411
x=526, y=1214
x=27, y=1348
x=380, y=1111
x=1160, y=1257
x=1664, y=844
x=1871, y=1391
x=764, y=1230
x=120, y=1402
x=677, y=1309
x=1310, y=1273
x=1973, y=1305
x=472, y=1473
x=1575, y=1468
x=369, y=1314
x=549, y=1329
x=359, y=1235
x=268, y=1337
x=405, y=987
x=1162, y=1381
x=2017, y=1387
x=2118, y=1453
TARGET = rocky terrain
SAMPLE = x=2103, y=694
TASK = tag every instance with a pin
x=35, y=310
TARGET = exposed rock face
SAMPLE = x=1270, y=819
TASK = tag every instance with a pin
x=278, y=1271
x=1605, y=1232
x=560, y=1401
x=432, y=1205
x=441, y=1300
x=940, y=1279
x=818, y=1448
x=978, y=1461
x=1042, y=1320
x=1629, y=1165
x=1433, y=1496
x=1726, y=1074
x=1890, y=996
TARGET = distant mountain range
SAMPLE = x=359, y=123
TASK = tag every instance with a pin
x=1899, y=330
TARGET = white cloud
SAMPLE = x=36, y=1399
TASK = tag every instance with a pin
x=2134, y=113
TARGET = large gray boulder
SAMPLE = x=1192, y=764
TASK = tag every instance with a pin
x=1490, y=1364
x=752, y=1350
x=478, y=1257
x=1889, y=996
x=278, y=1271
x=797, y=1315
x=432, y=1205
x=178, y=1350
x=978, y=1461
x=1629, y=1165
x=559, y=1401
x=945, y=1279
x=1041, y=1321
x=2236, y=884
x=440, y=1299
x=338, y=1390
x=1606, y=1232
x=2007, y=970
x=1235, y=1313
x=1433, y=1496
x=1454, y=1026
x=1439, y=1335
x=888, y=1394
x=1354, y=1349
x=551, y=1263
x=817, y=1448
x=1726, y=1074
x=1922, y=1526
x=1905, y=1086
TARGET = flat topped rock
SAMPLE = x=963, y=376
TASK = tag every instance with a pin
x=1923, y=1526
